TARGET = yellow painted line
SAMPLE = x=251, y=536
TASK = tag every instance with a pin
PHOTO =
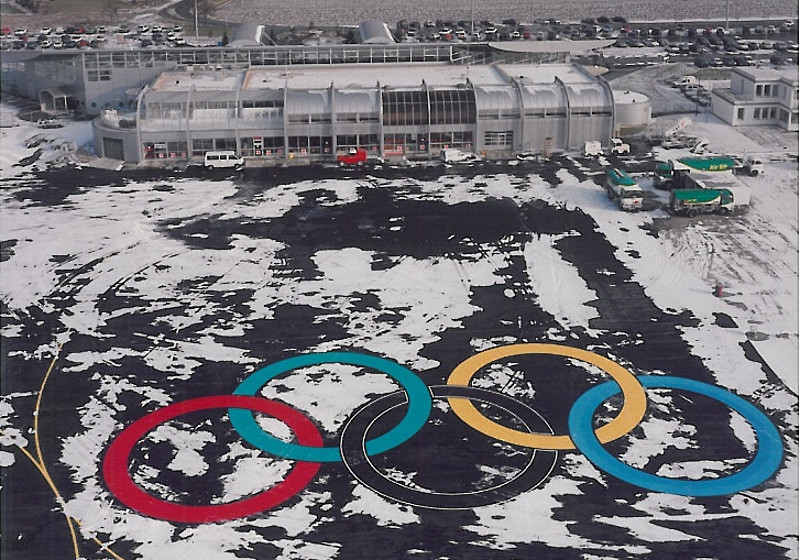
x=46, y=476
x=42, y=468
x=41, y=465
x=629, y=417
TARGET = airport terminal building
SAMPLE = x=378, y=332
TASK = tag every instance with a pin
x=313, y=113
x=273, y=104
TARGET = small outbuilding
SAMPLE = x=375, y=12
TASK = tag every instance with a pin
x=375, y=32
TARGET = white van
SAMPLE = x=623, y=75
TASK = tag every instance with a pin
x=222, y=160
x=453, y=155
x=684, y=81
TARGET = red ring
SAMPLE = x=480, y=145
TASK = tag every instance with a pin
x=120, y=483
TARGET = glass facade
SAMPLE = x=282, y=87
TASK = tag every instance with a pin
x=420, y=107
x=403, y=108
x=452, y=106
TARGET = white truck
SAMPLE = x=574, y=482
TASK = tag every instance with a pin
x=619, y=147
x=750, y=164
x=592, y=148
x=453, y=155
x=622, y=189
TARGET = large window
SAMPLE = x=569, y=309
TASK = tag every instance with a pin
x=504, y=138
x=166, y=110
x=405, y=108
x=347, y=142
x=452, y=106
x=164, y=150
x=225, y=143
x=261, y=104
x=320, y=144
x=202, y=145
x=444, y=140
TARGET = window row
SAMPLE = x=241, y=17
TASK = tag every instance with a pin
x=98, y=75
x=165, y=150
x=266, y=146
x=499, y=138
x=767, y=90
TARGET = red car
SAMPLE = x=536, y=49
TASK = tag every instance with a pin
x=354, y=157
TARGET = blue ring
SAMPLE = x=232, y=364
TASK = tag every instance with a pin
x=418, y=394
x=762, y=467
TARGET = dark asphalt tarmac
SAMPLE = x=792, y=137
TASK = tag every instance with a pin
x=450, y=459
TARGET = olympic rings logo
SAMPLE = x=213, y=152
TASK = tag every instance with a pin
x=355, y=449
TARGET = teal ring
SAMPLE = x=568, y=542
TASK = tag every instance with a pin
x=763, y=465
x=418, y=397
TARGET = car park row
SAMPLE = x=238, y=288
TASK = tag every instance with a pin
x=71, y=37
x=709, y=46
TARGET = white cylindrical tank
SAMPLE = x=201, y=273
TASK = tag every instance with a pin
x=632, y=112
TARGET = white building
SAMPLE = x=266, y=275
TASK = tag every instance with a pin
x=759, y=96
x=313, y=113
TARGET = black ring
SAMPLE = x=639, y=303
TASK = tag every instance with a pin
x=353, y=450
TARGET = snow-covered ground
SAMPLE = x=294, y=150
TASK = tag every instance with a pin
x=130, y=241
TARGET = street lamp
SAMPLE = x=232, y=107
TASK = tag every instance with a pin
x=196, y=31
x=727, y=11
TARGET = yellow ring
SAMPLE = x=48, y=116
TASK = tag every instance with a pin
x=631, y=414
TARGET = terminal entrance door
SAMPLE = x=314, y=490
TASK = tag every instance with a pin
x=112, y=148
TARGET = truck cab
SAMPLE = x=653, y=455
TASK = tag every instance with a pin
x=753, y=165
x=619, y=147
x=622, y=189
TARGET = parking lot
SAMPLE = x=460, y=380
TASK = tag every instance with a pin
x=740, y=44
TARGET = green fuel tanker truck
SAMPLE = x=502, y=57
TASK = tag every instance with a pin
x=667, y=174
x=691, y=202
x=622, y=189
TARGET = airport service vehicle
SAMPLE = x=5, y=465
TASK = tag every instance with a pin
x=592, y=149
x=691, y=202
x=666, y=174
x=356, y=156
x=453, y=155
x=226, y=159
x=700, y=146
x=622, y=189
x=619, y=147
x=752, y=165
x=685, y=81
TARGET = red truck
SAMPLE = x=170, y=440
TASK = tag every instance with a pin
x=354, y=157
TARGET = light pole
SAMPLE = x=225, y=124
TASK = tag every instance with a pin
x=196, y=30
x=727, y=11
x=472, y=20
